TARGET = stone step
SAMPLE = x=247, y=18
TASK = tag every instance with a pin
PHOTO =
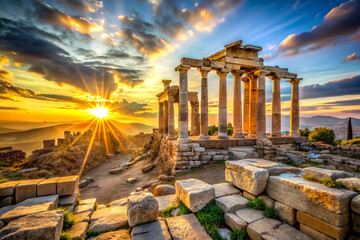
x=225, y=189
x=166, y=201
x=108, y=219
x=274, y=168
x=231, y=203
x=151, y=231
x=78, y=230
x=321, y=173
x=249, y=215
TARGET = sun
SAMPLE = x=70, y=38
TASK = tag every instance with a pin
x=99, y=112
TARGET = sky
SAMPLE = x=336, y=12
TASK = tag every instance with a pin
x=58, y=58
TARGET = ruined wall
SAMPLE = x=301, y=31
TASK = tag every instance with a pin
x=8, y=155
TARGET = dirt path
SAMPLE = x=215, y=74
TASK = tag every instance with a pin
x=211, y=174
x=109, y=187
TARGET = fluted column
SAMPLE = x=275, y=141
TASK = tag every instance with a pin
x=166, y=118
x=183, y=103
x=161, y=118
x=295, y=108
x=204, y=119
x=261, y=110
x=222, y=104
x=253, y=105
x=276, y=108
x=237, y=112
x=246, y=105
x=171, y=120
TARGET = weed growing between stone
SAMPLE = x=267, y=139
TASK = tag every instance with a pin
x=183, y=209
x=257, y=204
x=69, y=219
x=90, y=234
x=271, y=213
x=326, y=181
x=238, y=235
x=211, y=217
x=65, y=236
x=107, y=205
x=166, y=213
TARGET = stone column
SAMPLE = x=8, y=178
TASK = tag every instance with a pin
x=276, y=108
x=253, y=105
x=246, y=105
x=237, y=112
x=166, y=118
x=161, y=118
x=222, y=104
x=183, y=103
x=204, y=120
x=195, y=121
x=295, y=108
x=171, y=120
x=261, y=109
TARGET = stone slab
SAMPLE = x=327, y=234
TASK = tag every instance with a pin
x=6, y=201
x=78, y=230
x=234, y=222
x=249, y=215
x=142, y=208
x=269, y=202
x=68, y=200
x=166, y=201
x=355, y=204
x=47, y=187
x=54, y=199
x=67, y=185
x=119, y=202
x=116, y=235
x=88, y=201
x=38, y=226
x=194, y=193
x=312, y=233
x=231, y=203
x=186, y=227
x=350, y=183
x=26, y=189
x=274, y=168
x=83, y=216
x=321, y=173
x=151, y=231
x=328, y=204
x=286, y=213
x=108, y=219
x=225, y=189
x=21, y=211
x=8, y=188
x=84, y=208
x=323, y=227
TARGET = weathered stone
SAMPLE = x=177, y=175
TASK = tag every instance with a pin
x=84, y=208
x=38, y=226
x=313, y=233
x=68, y=200
x=116, y=170
x=249, y=215
x=155, y=231
x=116, y=235
x=119, y=202
x=166, y=201
x=234, y=222
x=269, y=203
x=8, y=188
x=21, y=211
x=83, y=216
x=47, y=187
x=231, y=203
x=355, y=219
x=225, y=233
x=131, y=180
x=295, y=158
x=147, y=167
x=83, y=183
x=53, y=199
x=246, y=177
x=355, y=204
x=67, y=185
x=163, y=189
x=248, y=195
x=142, y=208
x=225, y=189
x=26, y=189
x=108, y=219
x=91, y=201
x=175, y=212
x=323, y=227
x=350, y=183
x=164, y=177
x=286, y=213
x=328, y=204
x=186, y=227
x=2, y=224
x=268, y=228
x=101, y=206
x=6, y=201
x=78, y=230
x=194, y=193
x=321, y=173
x=274, y=168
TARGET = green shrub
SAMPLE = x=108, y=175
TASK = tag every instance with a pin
x=211, y=216
x=90, y=234
x=294, y=164
x=4, y=164
x=183, y=208
x=354, y=141
x=238, y=235
x=337, y=142
x=271, y=213
x=230, y=129
x=304, y=132
x=322, y=134
x=69, y=219
x=166, y=213
x=65, y=236
x=257, y=204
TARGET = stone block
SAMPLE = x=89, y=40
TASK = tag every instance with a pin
x=166, y=201
x=323, y=227
x=163, y=189
x=194, y=193
x=274, y=168
x=355, y=219
x=82, y=217
x=67, y=185
x=6, y=201
x=234, y=222
x=107, y=219
x=84, y=208
x=321, y=173
x=328, y=204
x=21, y=211
x=355, y=204
x=120, y=234
x=44, y=226
x=8, y=188
x=154, y=230
x=312, y=233
x=248, y=195
x=53, y=199
x=142, y=208
x=69, y=200
x=199, y=149
x=246, y=177
x=26, y=189
x=78, y=230
x=47, y=187
x=91, y=201
x=350, y=183
x=286, y=213
x=231, y=203
x=218, y=157
x=225, y=189
x=269, y=202
x=186, y=227
x=249, y=215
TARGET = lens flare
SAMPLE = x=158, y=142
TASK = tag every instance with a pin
x=99, y=111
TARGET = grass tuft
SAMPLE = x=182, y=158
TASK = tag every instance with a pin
x=211, y=216
x=238, y=235
x=69, y=219
x=166, y=213
x=107, y=205
x=65, y=236
x=325, y=181
x=90, y=234
x=271, y=213
x=257, y=204
x=183, y=209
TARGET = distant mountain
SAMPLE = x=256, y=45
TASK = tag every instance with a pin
x=6, y=130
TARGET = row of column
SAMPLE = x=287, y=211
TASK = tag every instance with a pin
x=253, y=120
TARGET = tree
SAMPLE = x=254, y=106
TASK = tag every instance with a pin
x=323, y=134
x=304, y=132
x=230, y=129
x=349, y=130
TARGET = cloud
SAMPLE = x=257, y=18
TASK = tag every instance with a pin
x=351, y=102
x=352, y=57
x=341, y=21
x=11, y=108
x=305, y=108
x=82, y=5
x=351, y=111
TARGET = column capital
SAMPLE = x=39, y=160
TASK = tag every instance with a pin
x=275, y=78
x=223, y=72
x=262, y=72
x=295, y=80
x=204, y=71
x=245, y=79
x=237, y=73
x=182, y=68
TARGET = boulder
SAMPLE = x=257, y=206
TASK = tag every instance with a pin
x=166, y=201
x=47, y=187
x=249, y=215
x=328, y=204
x=154, y=230
x=194, y=193
x=321, y=173
x=355, y=204
x=231, y=203
x=234, y=222
x=350, y=183
x=142, y=208
x=163, y=189
x=108, y=219
x=246, y=177
x=67, y=185
x=225, y=189
x=38, y=226
x=186, y=227
x=78, y=230
x=116, y=235
x=286, y=213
